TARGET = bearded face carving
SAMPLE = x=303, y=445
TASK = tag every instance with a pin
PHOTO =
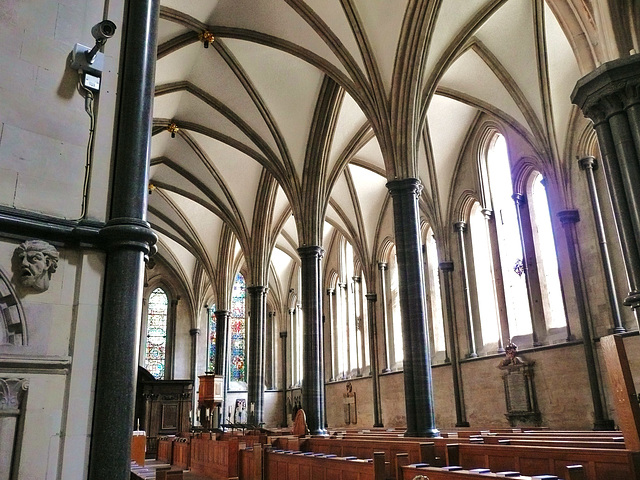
x=37, y=260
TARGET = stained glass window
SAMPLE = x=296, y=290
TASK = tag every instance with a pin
x=237, y=368
x=212, y=339
x=155, y=353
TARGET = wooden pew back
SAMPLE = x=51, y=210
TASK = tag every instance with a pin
x=281, y=465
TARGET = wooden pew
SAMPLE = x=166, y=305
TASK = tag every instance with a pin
x=280, y=465
x=418, y=451
x=409, y=472
x=599, y=463
x=181, y=453
x=215, y=458
x=492, y=440
x=165, y=450
x=251, y=463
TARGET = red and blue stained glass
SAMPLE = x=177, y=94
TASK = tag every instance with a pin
x=155, y=354
x=212, y=339
x=237, y=368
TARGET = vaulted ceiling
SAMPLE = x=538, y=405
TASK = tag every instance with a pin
x=239, y=173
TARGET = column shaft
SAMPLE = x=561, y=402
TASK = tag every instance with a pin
x=330, y=294
x=589, y=164
x=313, y=365
x=418, y=383
x=461, y=227
x=222, y=348
x=128, y=240
x=446, y=268
x=255, y=377
x=373, y=351
x=195, y=333
x=385, y=330
x=283, y=337
x=569, y=218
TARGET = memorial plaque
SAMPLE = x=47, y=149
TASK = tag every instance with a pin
x=516, y=388
x=519, y=391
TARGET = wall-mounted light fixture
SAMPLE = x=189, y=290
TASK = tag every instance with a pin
x=173, y=129
x=206, y=37
x=152, y=187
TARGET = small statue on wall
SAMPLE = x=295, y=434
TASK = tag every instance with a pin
x=349, y=401
x=37, y=261
x=511, y=359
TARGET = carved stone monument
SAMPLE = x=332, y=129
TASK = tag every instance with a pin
x=519, y=389
x=349, y=401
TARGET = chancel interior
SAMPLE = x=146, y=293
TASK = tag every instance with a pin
x=414, y=225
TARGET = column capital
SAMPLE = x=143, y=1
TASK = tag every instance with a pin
x=588, y=163
x=405, y=185
x=221, y=313
x=372, y=297
x=357, y=278
x=460, y=226
x=446, y=266
x=331, y=291
x=310, y=251
x=610, y=88
x=519, y=198
x=194, y=331
x=487, y=212
x=382, y=265
x=283, y=334
x=256, y=289
x=569, y=216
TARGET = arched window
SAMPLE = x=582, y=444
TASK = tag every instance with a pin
x=544, y=243
x=156, y=346
x=211, y=364
x=438, y=345
x=394, y=326
x=237, y=364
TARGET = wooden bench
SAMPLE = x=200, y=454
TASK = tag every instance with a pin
x=181, y=453
x=409, y=472
x=215, y=458
x=281, y=465
x=599, y=463
x=418, y=451
x=251, y=463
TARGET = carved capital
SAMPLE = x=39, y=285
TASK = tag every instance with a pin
x=568, y=217
x=405, y=186
x=446, y=266
x=11, y=393
x=588, y=163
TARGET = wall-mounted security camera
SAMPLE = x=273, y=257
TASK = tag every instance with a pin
x=90, y=61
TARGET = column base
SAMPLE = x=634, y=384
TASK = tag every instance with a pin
x=472, y=355
x=463, y=424
x=632, y=300
x=378, y=425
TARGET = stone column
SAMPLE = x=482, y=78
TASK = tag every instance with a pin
x=169, y=366
x=538, y=325
x=313, y=365
x=610, y=97
x=292, y=345
x=569, y=218
x=128, y=239
x=222, y=349
x=269, y=375
x=589, y=164
x=373, y=350
x=330, y=294
x=195, y=333
x=283, y=337
x=418, y=383
x=385, y=330
x=461, y=227
x=255, y=377
x=446, y=268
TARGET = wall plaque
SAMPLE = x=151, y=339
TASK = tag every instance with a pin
x=519, y=389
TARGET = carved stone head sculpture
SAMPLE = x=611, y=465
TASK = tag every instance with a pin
x=37, y=261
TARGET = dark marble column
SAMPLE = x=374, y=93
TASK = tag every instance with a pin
x=460, y=228
x=418, y=382
x=255, y=372
x=385, y=330
x=331, y=294
x=283, y=338
x=222, y=349
x=589, y=164
x=269, y=352
x=446, y=268
x=373, y=351
x=610, y=97
x=534, y=296
x=195, y=333
x=169, y=366
x=128, y=240
x=313, y=364
x=569, y=218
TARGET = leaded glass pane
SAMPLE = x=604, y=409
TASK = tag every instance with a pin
x=212, y=339
x=155, y=352
x=237, y=367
